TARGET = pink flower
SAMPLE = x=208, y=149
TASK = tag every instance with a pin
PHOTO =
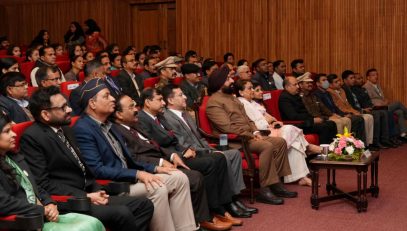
x=359, y=144
x=342, y=144
x=338, y=151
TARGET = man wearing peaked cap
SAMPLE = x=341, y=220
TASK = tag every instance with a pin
x=166, y=71
x=306, y=77
x=105, y=152
x=228, y=115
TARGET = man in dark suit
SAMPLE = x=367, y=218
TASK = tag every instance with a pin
x=292, y=108
x=107, y=156
x=213, y=167
x=114, y=88
x=13, y=88
x=57, y=165
x=131, y=85
x=186, y=131
x=191, y=86
x=262, y=76
x=142, y=148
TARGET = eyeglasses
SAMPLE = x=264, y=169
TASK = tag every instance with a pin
x=63, y=108
x=21, y=85
x=55, y=79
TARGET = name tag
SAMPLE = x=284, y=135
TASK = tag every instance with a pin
x=266, y=96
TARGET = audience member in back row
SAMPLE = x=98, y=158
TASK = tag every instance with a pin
x=296, y=144
x=13, y=98
x=378, y=99
x=149, y=69
x=298, y=67
x=244, y=72
x=229, y=58
x=186, y=131
x=167, y=188
x=111, y=84
x=42, y=39
x=77, y=66
x=127, y=80
x=213, y=167
x=208, y=67
x=74, y=36
x=58, y=167
x=381, y=138
x=262, y=76
x=227, y=115
x=144, y=149
x=292, y=108
x=48, y=76
x=191, y=86
x=48, y=59
x=339, y=97
x=280, y=68
x=14, y=50
x=93, y=39
x=166, y=72
x=8, y=65
x=31, y=55
x=4, y=43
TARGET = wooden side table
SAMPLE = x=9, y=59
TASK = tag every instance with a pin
x=334, y=193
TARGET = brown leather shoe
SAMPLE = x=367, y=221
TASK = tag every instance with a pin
x=228, y=218
x=216, y=225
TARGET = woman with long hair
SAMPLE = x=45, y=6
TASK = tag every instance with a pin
x=19, y=193
x=8, y=65
x=31, y=55
x=74, y=35
x=14, y=50
x=42, y=38
x=296, y=143
x=94, y=40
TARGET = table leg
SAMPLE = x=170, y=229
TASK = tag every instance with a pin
x=359, y=203
x=314, y=196
x=333, y=185
x=372, y=178
x=376, y=166
x=328, y=181
x=364, y=198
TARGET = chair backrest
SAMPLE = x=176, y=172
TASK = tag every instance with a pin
x=65, y=66
x=31, y=90
x=26, y=69
x=115, y=73
x=270, y=100
x=202, y=118
x=81, y=76
x=18, y=59
x=151, y=82
x=177, y=81
x=138, y=70
x=62, y=58
x=68, y=86
x=19, y=130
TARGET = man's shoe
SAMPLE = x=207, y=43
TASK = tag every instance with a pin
x=235, y=211
x=229, y=219
x=215, y=225
x=245, y=208
x=383, y=146
x=280, y=191
x=403, y=139
x=266, y=196
x=396, y=141
x=389, y=144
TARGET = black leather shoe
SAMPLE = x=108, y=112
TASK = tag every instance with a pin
x=243, y=207
x=388, y=144
x=396, y=141
x=374, y=147
x=235, y=211
x=383, y=146
x=280, y=191
x=403, y=139
x=266, y=196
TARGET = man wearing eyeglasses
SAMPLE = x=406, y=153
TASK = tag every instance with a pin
x=48, y=76
x=191, y=86
x=244, y=72
x=13, y=98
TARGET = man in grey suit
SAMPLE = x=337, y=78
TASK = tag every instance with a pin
x=186, y=131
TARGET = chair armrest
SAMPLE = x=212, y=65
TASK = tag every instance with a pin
x=74, y=204
x=30, y=221
x=115, y=188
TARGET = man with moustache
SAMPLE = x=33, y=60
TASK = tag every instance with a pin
x=58, y=167
x=127, y=80
x=166, y=71
x=107, y=156
x=227, y=115
x=244, y=72
x=262, y=76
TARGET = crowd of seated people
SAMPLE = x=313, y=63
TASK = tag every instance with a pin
x=150, y=138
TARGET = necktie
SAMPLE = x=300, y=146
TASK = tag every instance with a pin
x=113, y=84
x=136, y=135
x=23, y=180
x=64, y=140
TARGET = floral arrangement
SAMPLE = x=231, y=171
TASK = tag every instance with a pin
x=346, y=148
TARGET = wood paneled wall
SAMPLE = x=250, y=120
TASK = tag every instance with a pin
x=330, y=35
x=25, y=18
